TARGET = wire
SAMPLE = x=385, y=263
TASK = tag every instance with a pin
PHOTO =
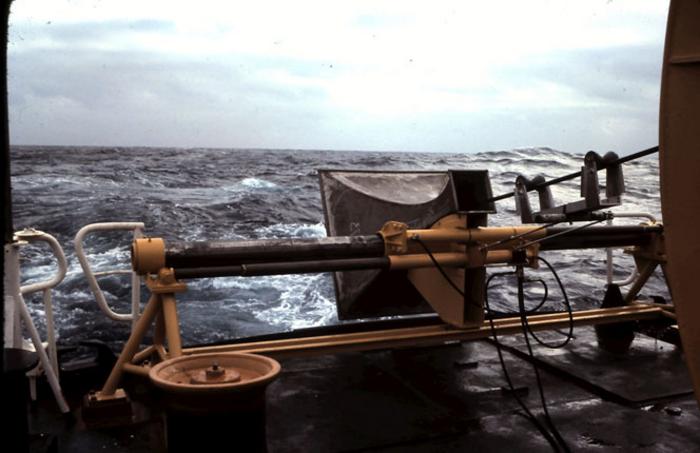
x=550, y=432
x=552, y=435
x=528, y=414
x=551, y=236
x=444, y=274
x=518, y=236
x=567, y=304
x=544, y=297
x=538, y=379
x=531, y=310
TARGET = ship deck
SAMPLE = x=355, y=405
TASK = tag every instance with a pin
x=442, y=398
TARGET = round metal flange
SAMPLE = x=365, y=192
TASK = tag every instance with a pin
x=214, y=373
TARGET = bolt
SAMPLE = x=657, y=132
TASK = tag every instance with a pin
x=215, y=371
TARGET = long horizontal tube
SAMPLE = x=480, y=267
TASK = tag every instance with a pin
x=395, y=262
x=600, y=237
x=292, y=267
x=214, y=253
x=488, y=234
x=445, y=259
x=299, y=256
x=431, y=334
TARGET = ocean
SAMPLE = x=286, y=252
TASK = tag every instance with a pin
x=228, y=194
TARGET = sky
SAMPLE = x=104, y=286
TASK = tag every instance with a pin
x=443, y=76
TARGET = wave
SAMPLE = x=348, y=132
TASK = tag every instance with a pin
x=248, y=194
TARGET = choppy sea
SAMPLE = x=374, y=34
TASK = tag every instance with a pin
x=210, y=194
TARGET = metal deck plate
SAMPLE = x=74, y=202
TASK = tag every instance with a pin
x=450, y=398
x=589, y=425
x=652, y=369
x=444, y=398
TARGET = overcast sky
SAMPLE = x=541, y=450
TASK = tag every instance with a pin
x=452, y=76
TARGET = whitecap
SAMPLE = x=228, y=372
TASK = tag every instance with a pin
x=255, y=183
x=295, y=230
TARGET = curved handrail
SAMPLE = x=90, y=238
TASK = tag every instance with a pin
x=48, y=362
x=137, y=228
x=633, y=276
x=32, y=235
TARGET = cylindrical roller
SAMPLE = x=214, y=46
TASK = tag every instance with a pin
x=485, y=234
x=600, y=237
x=293, y=267
x=445, y=259
x=148, y=255
x=215, y=253
x=298, y=256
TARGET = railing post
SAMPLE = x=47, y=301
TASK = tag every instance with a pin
x=136, y=287
x=609, y=261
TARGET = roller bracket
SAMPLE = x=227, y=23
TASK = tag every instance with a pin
x=582, y=210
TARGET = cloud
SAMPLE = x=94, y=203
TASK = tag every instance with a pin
x=353, y=76
x=138, y=98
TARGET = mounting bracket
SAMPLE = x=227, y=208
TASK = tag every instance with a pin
x=584, y=209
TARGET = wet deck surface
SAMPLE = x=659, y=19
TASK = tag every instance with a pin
x=448, y=398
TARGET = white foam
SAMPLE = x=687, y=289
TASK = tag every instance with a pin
x=300, y=304
x=296, y=230
x=301, y=301
x=255, y=183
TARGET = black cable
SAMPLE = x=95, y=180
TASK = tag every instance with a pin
x=552, y=435
x=561, y=233
x=567, y=303
x=528, y=414
x=442, y=271
x=538, y=379
x=544, y=297
x=531, y=310
x=518, y=236
x=558, y=443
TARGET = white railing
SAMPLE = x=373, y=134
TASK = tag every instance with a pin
x=45, y=287
x=137, y=228
x=609, y=251
x=48, y=362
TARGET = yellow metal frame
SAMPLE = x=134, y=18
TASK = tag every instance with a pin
x=161, y=309
x=453, y=246
x=416, y=336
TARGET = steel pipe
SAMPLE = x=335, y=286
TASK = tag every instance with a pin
x=293, y=267
x=486, y=234
x=215, y=253
x=425, y=335
x=299, y=256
